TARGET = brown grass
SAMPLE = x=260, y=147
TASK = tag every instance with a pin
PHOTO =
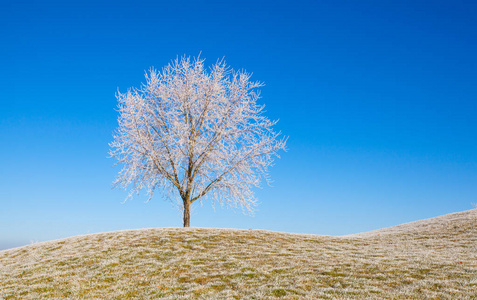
x=435, y=259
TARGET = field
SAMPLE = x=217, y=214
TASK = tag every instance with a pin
x=428, y=259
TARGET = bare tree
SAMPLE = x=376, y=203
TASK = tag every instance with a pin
x=195, y=133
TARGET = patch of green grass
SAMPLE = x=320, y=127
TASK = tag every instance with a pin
x=108, y=279
x=279, y=292
x=333, y=273
x=201, y=291
x=279, y=271
x=202, y=280
x=42, y=290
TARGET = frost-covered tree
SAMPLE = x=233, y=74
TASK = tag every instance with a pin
x=195, y=133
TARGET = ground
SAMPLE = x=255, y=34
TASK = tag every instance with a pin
x=429, y=259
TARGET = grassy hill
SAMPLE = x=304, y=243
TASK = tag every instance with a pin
x=428, y=259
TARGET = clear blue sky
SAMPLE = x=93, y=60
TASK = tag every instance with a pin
x=378, y=98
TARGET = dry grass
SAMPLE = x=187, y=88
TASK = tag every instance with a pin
x=430, y=259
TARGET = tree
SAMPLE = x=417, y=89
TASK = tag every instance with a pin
x=195, y=133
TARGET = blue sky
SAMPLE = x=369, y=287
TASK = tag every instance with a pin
x=378, y=99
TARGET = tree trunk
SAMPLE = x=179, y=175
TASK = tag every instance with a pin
x=186, y=213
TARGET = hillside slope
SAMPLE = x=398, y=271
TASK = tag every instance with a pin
x=455, y=224
x=436, y=261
